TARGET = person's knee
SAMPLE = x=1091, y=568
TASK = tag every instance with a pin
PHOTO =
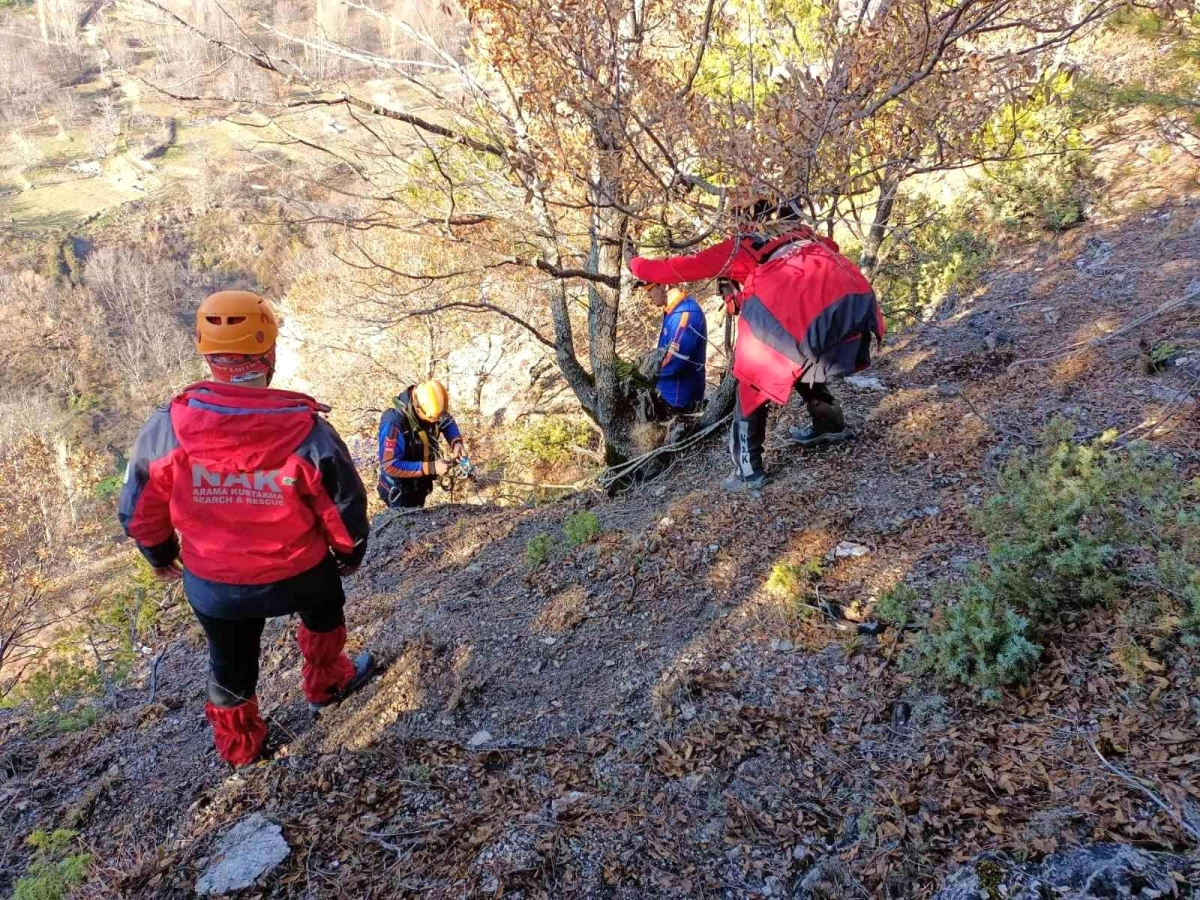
x=324, y=618
x=228, y=692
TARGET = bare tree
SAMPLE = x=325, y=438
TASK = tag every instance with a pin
x=572, y=128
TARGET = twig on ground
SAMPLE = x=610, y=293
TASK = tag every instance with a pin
x=1190, y=296
x=1015, y=435
x=1190, y=829
x=154, y=672
x=1172, y=409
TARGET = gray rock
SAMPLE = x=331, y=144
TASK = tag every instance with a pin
x=998, y=342
x=1084, y=873
x=848, y=549
x=865, y=383
x=561, y=804
x=1095, y=256
x=479, y=738
x=1168, y=394
x=251, y=849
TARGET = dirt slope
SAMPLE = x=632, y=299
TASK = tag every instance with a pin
x=657, y=725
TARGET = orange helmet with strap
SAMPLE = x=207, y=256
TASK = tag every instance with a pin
x=235, y=322
x=430, y=400
x=236, y=332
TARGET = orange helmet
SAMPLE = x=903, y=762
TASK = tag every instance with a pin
x=430, y=400
x=235, y=322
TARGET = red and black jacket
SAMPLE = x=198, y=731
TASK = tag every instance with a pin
x=807, y=312
x=258, y=485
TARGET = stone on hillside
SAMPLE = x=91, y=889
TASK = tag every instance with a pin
x=1095, y=256
x=251, y=849
x=561, y=804
x=1084, y=873
x=1166, y=394
x=998, y=342
x=865, y=383
x=479, y=738
x=849, y=549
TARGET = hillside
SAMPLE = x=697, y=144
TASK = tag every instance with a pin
x=644, y=716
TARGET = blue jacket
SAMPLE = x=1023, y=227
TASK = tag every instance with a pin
x=407, y=446
x=685, y=336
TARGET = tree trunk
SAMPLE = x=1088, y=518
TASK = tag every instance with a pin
x=879, y=225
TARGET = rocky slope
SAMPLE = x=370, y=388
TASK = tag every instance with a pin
x=639, y=717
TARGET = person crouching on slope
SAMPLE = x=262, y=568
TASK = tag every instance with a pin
x=258, y=496
x=409, y=433
x=677, y=363
x=807, y=314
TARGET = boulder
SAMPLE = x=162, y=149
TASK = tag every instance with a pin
x=251, y=849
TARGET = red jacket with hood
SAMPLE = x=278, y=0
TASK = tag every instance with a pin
x=807, y=312
x=258, y=485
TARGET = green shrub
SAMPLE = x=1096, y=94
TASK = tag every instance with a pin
x=581, y=527
x=981, y=641
x=789, y=581
x=108, y=487
x=54, y=871
x=100, y=652
x=1070, y=527
x=1048, y=178
x=537, y=550
x=550, y=442
x=1048, y=193
x=897, y=606
x=1067, y=520
x=947, y=252
x=60, y=686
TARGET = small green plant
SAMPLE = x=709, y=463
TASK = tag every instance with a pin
x=897, y=606
x=1162, y=353
x=55, y=871
x=108, y=487
x=550, y=442
x=793, y=587
x=980, y=640
x=581, y=527
x=1071, y=526
x=789, y=581
x=418, y=772
x=537, y=550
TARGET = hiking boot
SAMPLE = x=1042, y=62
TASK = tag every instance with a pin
x=736, y=484
x=810, y=437
x=364, y=668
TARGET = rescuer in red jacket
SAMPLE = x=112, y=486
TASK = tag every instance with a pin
x=807, y=314
x=257, y=496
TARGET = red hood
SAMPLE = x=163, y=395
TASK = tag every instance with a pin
x=241, y=428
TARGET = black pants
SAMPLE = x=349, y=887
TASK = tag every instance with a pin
x=408, y=492
x=748, y=432
x=233, y=643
